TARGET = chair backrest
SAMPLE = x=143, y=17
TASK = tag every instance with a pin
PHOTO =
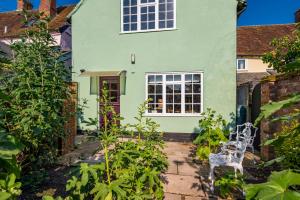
x=246, y=132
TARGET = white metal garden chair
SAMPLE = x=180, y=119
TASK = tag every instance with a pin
x=233, y=152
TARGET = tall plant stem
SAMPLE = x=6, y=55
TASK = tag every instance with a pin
x=107, y=163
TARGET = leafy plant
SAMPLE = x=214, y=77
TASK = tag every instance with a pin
x=131, y=169
x=36, y=84
x=285, y=58
x=230, y=185
x=280, y=185
x=213, y=130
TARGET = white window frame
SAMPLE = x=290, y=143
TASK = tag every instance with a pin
x=139, y=4
x=246, y=64
x=183, y=114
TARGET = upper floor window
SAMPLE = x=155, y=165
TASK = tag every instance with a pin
x=241, y=64
x=147, y=15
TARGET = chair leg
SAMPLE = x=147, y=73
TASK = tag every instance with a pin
x=241, y=169
x=212, y=177
x=235, y=172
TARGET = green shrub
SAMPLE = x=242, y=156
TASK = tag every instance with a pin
x=213, y=130
x=230, y=185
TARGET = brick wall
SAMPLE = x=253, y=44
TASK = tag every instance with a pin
x=276, y=88
x=67, y=144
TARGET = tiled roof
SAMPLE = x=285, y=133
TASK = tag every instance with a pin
x=15, y=27
x=255, y=40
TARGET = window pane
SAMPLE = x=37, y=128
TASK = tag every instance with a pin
x=151, y=108
x=159, y=99
x=126, y=2
x=158, y=89
x=177, y=98
x=133, y=27
x=177, y=77
x=197, y=108
x=126, y=27
x=162, y=7
x=197, y=88
x=151, y=25
x=177, y=88
x=159, y=108
x=196, y=78
x=188, y=108
x=151, y=79
x=133, y=2
x=151, y=89
x=170, y=15
x=197, y=98
x=133, y=10
x=170, y=24
x=177, y=108
x=158, y=78
x=126, y=11
x=151, y=98
x=188, y=98
x=170, y=6
x=169, y=77
x=169, y=108
x=188, y=77
x=144, y=26
x=169, y=89
x=162, y=16
x=151, y=17
x=144, y=10
x=126, y=19
x=188, y=88
x=144, y=17
x=151, y=9
x=169, y=98
x=133, y=18
x=162, y=24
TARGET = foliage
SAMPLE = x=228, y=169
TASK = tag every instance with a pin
x=280, y=185
x=285, y=58
x=36, y=84
x=131, y=168
x=213, y=130
x=10, y=147
x=229, y=185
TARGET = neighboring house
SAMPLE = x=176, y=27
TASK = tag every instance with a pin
x=179, y=53
x=12, y=26
x=252, y=43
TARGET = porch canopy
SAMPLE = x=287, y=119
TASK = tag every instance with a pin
x=94, y=79
x=102, y=73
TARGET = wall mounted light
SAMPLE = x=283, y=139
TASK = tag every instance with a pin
x=133, y=58
x=82, y=70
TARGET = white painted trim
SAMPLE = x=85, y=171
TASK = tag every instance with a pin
x=182, y=82
x=157, y=29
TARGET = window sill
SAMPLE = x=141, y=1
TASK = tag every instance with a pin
x=148, y=31
x=172, y=115
x=241, y=70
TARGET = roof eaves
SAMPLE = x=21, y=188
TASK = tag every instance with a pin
x=76, y=9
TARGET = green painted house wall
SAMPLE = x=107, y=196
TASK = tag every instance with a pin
x=204, y=40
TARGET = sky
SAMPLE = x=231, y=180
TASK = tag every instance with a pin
x=8, y=5
x=258, y=12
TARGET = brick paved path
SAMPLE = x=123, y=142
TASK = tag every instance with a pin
x=184, y=178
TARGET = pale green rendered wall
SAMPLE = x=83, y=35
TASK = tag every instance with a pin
x=205, y=40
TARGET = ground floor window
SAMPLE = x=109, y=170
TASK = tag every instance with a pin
x=174, y=93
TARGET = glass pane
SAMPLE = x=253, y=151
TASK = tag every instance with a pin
x=151, y=79
x=126, y=27
x=188, y=108
x=188, y=88
x=197, y=108
x=133, y=18
x=177, y=108
x=177, y=77
x=169, y=89
x=133, y=27
x=126, y=2
x=144, y=17
x=162, y=16
x=159, y=99
x=197, y=98
x=126, y=11
x=114, y=96
x=159, y=108
x=114, y=86
x=158, y=89
x=158, y=78
x=144, y=1
x=151, y=9
x=170, y=15
x=133, y=2
x=151, y=25
x=196, y=78
x=144, y=10
x=162, y=1
x=169, y=98
x=162, y=7
x=151, y=89
x=177, y=88
x=126, y=19
x=170, y=6
x=150, y=108
x=151, y=98
x=170, y=24
x=188, y=77
x=169, y=77
x=151, y=17
x=177, y=98
x=162, y=24
x=133, y=10
x=169, y=108
x=197, y=88
x=188, y=99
